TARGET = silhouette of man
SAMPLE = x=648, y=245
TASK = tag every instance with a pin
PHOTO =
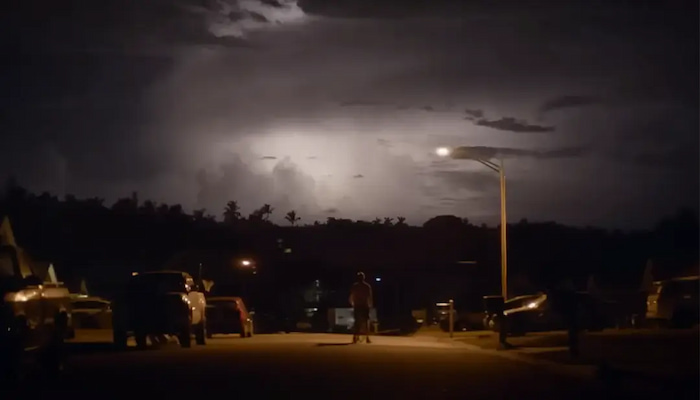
x=361, y=302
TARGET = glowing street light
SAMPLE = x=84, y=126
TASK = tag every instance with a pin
x=246, y=263
x=465, y=153
x=443, y=151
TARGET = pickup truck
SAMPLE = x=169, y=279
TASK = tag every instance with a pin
x=159, y=303
x=34, y=318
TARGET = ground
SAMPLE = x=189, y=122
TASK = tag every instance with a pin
x=665, y=354
x=313, y=366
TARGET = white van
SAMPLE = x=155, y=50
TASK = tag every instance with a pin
x=674, y=302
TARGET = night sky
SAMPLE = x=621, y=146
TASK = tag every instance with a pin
x=335, y=108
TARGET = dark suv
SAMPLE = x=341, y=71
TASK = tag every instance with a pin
x=159, y=303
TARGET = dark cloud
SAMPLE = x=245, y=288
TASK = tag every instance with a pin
x=448, y=200
x=358, y=103
x=272, y=3
x=268, y=158
x=358, y=176
x=668, y=139
x=258, y=17
x=487, y=153
x=477, y=181
x=332, y=210
x=427, y=108
x=474, y=113
x=451, y=8
x=568, y=101
x=513, y=125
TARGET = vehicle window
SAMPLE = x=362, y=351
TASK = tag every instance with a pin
x=669, y=289
x=7, y=267
x=189, y=284
x=689, y=286
x=521, y=302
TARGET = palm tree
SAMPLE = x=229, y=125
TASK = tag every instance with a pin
x=401, y=221
x=292, y=217
x=388, y=221
x=232, y=212
x=376, y=221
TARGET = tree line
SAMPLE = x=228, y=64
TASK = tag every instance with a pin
x=85, y=237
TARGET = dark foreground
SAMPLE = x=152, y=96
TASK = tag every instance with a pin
x=312, y=366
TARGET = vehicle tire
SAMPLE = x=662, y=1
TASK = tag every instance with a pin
x=119, y=337
x=11, y=367
x=54, y=355
x=201, y=333
x=141, y=339
x=250, y=330
x=185, y=335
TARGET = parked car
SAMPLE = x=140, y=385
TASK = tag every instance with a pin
x=34, y=318
x=541, y=314
x=271, y=321
x=490, y=321
x=228, y=315
x=674, y=302
x=160, y=303
x=91, y=313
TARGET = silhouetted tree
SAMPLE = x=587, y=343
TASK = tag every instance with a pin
x=292, y=217
x=198, y=215
x=148, y=208
x=84, y=238
x=125, y=205
x=232, y=212
x=265, y=212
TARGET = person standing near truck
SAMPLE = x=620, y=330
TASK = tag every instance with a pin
x=361, y=301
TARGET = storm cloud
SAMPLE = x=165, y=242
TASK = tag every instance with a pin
x=284, y=102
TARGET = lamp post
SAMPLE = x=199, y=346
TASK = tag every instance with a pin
x=463, y=153
x=248, y=267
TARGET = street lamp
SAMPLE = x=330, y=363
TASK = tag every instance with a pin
x=464, y=153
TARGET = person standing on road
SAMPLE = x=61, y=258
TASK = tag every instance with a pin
x=361, y=302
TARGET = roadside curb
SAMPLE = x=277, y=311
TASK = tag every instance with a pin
x=608, y=377
x=577, y=371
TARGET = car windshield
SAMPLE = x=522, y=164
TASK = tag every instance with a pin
x=160, y=283
x=521, y=301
